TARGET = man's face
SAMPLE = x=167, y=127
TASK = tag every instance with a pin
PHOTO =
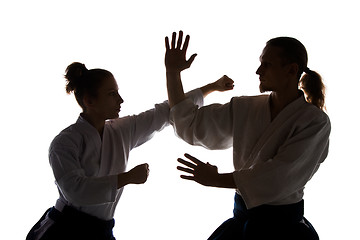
x=272, y=70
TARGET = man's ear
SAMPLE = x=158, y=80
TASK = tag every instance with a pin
x=293, y=69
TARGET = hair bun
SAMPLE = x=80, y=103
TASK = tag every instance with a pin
x=74, y=74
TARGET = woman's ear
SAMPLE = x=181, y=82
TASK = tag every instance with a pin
x=88, y=101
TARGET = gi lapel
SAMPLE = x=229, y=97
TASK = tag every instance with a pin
x=275, y=134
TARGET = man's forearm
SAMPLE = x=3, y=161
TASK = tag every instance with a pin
x=225, y=180
x=174, y=87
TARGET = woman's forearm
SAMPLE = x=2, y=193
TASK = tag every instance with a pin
x=207, y=89
x=123, y=179
x=223, y=84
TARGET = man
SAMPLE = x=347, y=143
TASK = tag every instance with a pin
x=279, y=140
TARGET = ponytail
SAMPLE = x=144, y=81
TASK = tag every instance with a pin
x=311, y=82
x=313, y=87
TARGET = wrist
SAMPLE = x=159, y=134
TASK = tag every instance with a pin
x=207, y=89
x=213, y=87
x=123, y=179
x=173, y=71
x=219, y=180
x=225, y=180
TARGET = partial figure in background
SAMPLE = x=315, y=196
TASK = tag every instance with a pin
x=279, y=140
x=89, y=158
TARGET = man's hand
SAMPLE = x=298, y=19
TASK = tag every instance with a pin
x=203, y=173
x=175, y=56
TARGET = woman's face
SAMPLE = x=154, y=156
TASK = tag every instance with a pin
x=107, y=103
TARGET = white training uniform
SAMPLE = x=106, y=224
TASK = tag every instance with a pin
x=273, y=160
x=86, y=167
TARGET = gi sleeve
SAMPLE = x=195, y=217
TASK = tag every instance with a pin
x=140, y=128
x=74, y=185
x=209, y=126
x=290, y=169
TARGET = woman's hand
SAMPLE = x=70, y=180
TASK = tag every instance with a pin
x=175, y=56
x=223, y=84
x=137, y=175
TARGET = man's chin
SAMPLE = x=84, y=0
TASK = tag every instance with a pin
x=264, y=89
x=115, y=116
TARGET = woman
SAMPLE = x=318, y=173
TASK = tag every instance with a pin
x=89, y=158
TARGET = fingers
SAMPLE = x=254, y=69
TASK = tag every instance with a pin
x=191, y=59
x=187, y=177
x=225, y=83
x=187, y=170
x=191, y=166
x=193, y=159
x=167, y=46
x=186, y=163
x=186, y=42
x=145, y=167
x=229, y=85
x=179, y=42
x=226, y=79
x=173, y=40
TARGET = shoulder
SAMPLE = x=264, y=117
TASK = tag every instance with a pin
x=118, y=123
x=314, y=113
x=312, y=118
x=252, y=103
x=69, y=137
x=257, y=99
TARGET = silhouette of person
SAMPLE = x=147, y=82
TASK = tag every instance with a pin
x=89, y=157
x=279, y=140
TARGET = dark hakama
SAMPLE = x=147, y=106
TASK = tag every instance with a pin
x=282, y=222
x=72, y=224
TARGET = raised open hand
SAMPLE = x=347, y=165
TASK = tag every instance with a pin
x=203, y=173
x=175, y=56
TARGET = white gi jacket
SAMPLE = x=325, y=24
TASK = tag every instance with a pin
x=86, y=167
x=273, y=160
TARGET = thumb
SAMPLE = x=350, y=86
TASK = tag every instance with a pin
x=191, y=59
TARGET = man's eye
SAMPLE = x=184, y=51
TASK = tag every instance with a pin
x=265, y=64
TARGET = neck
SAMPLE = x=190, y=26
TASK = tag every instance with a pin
x=95, y=122
x=278, y=101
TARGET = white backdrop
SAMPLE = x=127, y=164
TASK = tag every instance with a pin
x=39, y=39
